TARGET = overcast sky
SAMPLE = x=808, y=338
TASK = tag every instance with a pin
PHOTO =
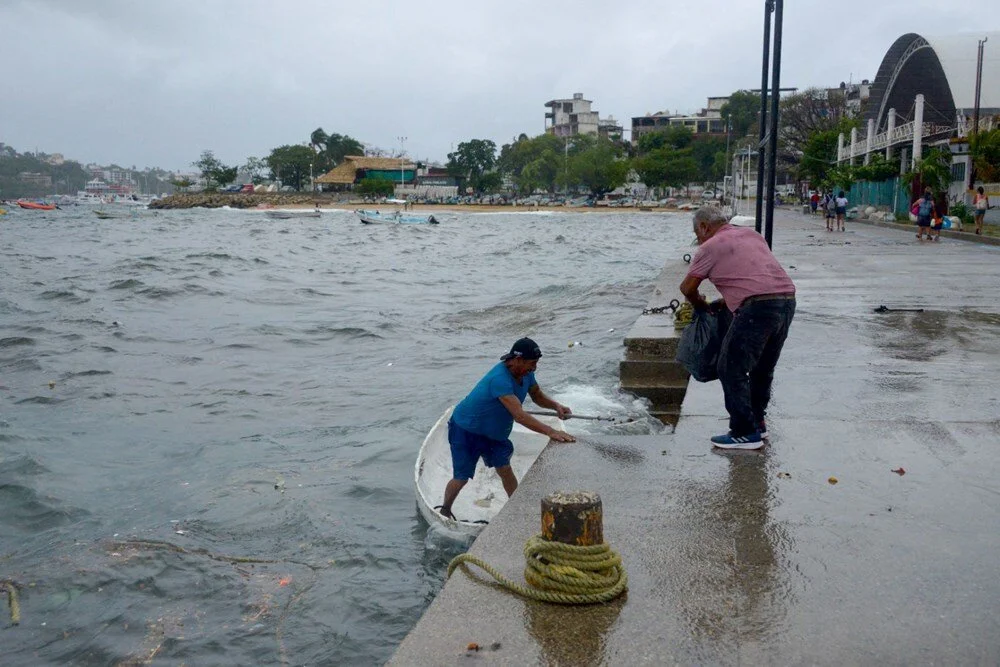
x=154, y=83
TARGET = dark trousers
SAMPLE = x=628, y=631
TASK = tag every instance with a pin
x=749, y=354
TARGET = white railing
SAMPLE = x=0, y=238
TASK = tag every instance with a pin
x=899, y=135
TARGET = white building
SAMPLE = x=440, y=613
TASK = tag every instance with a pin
x=570, y=117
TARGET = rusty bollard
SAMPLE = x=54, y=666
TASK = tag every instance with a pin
x=573, y=517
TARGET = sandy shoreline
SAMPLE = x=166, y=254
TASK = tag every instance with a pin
x=475, y=208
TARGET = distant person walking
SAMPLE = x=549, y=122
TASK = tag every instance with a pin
x=981, y=205
x=841, y=208
x=925, y=212
x=830, y=209
x=814, y=202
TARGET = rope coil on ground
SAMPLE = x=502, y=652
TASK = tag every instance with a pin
x=561, y=573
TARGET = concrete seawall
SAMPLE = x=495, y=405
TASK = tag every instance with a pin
x=866, y=532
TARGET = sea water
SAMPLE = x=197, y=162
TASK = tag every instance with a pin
x=210, y=418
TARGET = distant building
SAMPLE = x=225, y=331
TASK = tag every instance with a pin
x=356, y=167
x=706, y=122
x=35, y=178
x=570, y=117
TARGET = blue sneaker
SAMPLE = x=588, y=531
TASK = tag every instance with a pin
x=730, y=441
x=762, y=429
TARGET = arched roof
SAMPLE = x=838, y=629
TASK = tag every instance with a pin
x=943, y=69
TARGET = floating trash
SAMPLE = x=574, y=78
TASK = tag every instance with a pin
x=832, y=480
x=899, y=471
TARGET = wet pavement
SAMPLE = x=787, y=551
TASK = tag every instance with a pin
x=816, y=551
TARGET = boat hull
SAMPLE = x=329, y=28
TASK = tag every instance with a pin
x=35, y=206
x=484, y=496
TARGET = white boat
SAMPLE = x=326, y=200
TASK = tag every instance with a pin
x=483, y=497
x=377, y=218
x=286, y=215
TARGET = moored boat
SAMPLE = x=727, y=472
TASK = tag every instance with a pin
x=377, y=218
x=286, y=215
x=483, y=497
x=35, y=205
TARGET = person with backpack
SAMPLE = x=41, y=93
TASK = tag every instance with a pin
x=830, y=207
x=925, y=212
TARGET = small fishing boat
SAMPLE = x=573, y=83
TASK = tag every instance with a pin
x=287, y=215
x=35, y=205
x=483, y=497
x=395, y=218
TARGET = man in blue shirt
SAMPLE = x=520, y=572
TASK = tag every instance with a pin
x=480, y=425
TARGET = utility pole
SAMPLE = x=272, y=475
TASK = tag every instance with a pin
x=975, y=113
x=772, y=156
x=765, y=61
x=402, y=150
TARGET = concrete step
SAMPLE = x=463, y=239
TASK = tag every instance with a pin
x=667, y=416
x=651, y=348
x=647, y=371
x=664, y=396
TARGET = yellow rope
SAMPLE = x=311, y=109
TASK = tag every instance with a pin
x=562, y=573
x=15, y=607
x=684, y=315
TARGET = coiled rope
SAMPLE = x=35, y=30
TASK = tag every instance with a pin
x=683, y=315
x=561, y=573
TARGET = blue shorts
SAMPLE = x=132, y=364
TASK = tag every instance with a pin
x=841, y=210
x=467, y=448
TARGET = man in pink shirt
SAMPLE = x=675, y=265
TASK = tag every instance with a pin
x=762, y=298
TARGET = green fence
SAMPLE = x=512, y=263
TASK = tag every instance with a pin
x=885, y=194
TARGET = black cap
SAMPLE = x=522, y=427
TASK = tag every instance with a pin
x=525, y=348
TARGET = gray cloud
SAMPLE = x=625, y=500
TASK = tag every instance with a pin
x=155, y=83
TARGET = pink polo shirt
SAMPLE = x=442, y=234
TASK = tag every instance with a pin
x=739, y=264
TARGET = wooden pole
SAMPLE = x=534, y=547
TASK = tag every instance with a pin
x=573, y=517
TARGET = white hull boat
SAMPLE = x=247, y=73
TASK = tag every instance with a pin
x=483, y=497
x=396, y=218
x=287, y=215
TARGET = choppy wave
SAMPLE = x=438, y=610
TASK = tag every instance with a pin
x=233, y=389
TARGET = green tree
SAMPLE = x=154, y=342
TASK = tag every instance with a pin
x=533, y=164
x=596, y=164
x=667, y=167
x=742, y=112
x=471, y=161
x=182, y=183
x=214, y=171
x=254, y=167
x=877, y=170
x=675, y=136
x=379, y=187
x=985, y=149
x=291, y=164
x=932, y=171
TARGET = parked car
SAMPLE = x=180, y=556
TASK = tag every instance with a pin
x=230, y=188
x=247, y=187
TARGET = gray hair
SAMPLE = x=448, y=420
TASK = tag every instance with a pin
x=709, y=215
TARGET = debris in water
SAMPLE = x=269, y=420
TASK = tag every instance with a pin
x=473, y=646
x=784, y=475
x=284, y=581
x=52, y=384
x=611, y=330
x=899, y=471
x=279, y=484
x=575, y=343
x=389, y=364
x=833, y=480
x=495, y=646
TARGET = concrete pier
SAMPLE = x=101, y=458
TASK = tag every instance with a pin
x=867, y=532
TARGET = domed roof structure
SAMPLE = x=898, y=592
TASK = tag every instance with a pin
x=943, y=69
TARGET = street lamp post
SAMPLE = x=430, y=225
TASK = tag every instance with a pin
x=402, y=150
x=312, y=187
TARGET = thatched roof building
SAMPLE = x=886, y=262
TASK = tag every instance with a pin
x=356, y=167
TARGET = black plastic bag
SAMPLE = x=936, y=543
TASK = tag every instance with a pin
x=700, y=344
